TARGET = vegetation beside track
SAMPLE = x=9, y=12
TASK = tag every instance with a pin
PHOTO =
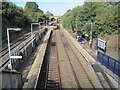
x=14, y=16
x=104, y=17
x=105, y=20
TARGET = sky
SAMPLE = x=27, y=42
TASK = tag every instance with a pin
x=56, y=7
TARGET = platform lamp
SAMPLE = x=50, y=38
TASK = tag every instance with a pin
x=32, y=31
x=90, y=42
x=12, y=57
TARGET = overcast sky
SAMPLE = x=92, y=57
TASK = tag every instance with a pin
x=57, y=7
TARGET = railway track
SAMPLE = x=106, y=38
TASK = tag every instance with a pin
x=13, y=45
x=5, y=57
x=5, y=50
x=80, y=74
x=49, y=76
x=77, y=68
x=68, y=79
x=62, y=68
x=65, y=66
x=18, y=45
x=52, y=76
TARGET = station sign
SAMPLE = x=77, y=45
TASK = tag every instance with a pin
x=101, y=44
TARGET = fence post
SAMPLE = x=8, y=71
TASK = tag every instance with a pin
x=108, y=63
x=97, y=55
x=114, y=66
x=105, y=48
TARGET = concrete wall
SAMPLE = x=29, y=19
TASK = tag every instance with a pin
x=10, y=79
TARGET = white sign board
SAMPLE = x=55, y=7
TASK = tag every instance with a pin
x=101, y=44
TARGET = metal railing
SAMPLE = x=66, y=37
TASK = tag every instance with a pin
x=110, y=63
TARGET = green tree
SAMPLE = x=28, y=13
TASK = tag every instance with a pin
x=103, y=16
x=32, y=11
x=49, y=13
x=14, y=16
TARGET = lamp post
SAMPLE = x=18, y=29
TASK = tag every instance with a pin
x=32, y=31
x=12, y=57
x=90, y=35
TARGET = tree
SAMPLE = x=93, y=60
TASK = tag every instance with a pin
x=13, y=16
x=49, y=13
x=103, y=16
x=69, y=10
x=32, y=11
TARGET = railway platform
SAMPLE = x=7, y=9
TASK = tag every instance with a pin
x=33, y=74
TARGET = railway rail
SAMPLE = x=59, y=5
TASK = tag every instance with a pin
x=53, y=73
x=17, y=47
x=5, y=57
x=66, y=67
x=81, y=75
x=16, y=43
x=5, y=50
x=103, y=79
x=49, y=76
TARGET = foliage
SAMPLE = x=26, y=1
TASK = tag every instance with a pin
x=49, y=14
x=14, y=16
x=102, y=15
x=32, y=11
